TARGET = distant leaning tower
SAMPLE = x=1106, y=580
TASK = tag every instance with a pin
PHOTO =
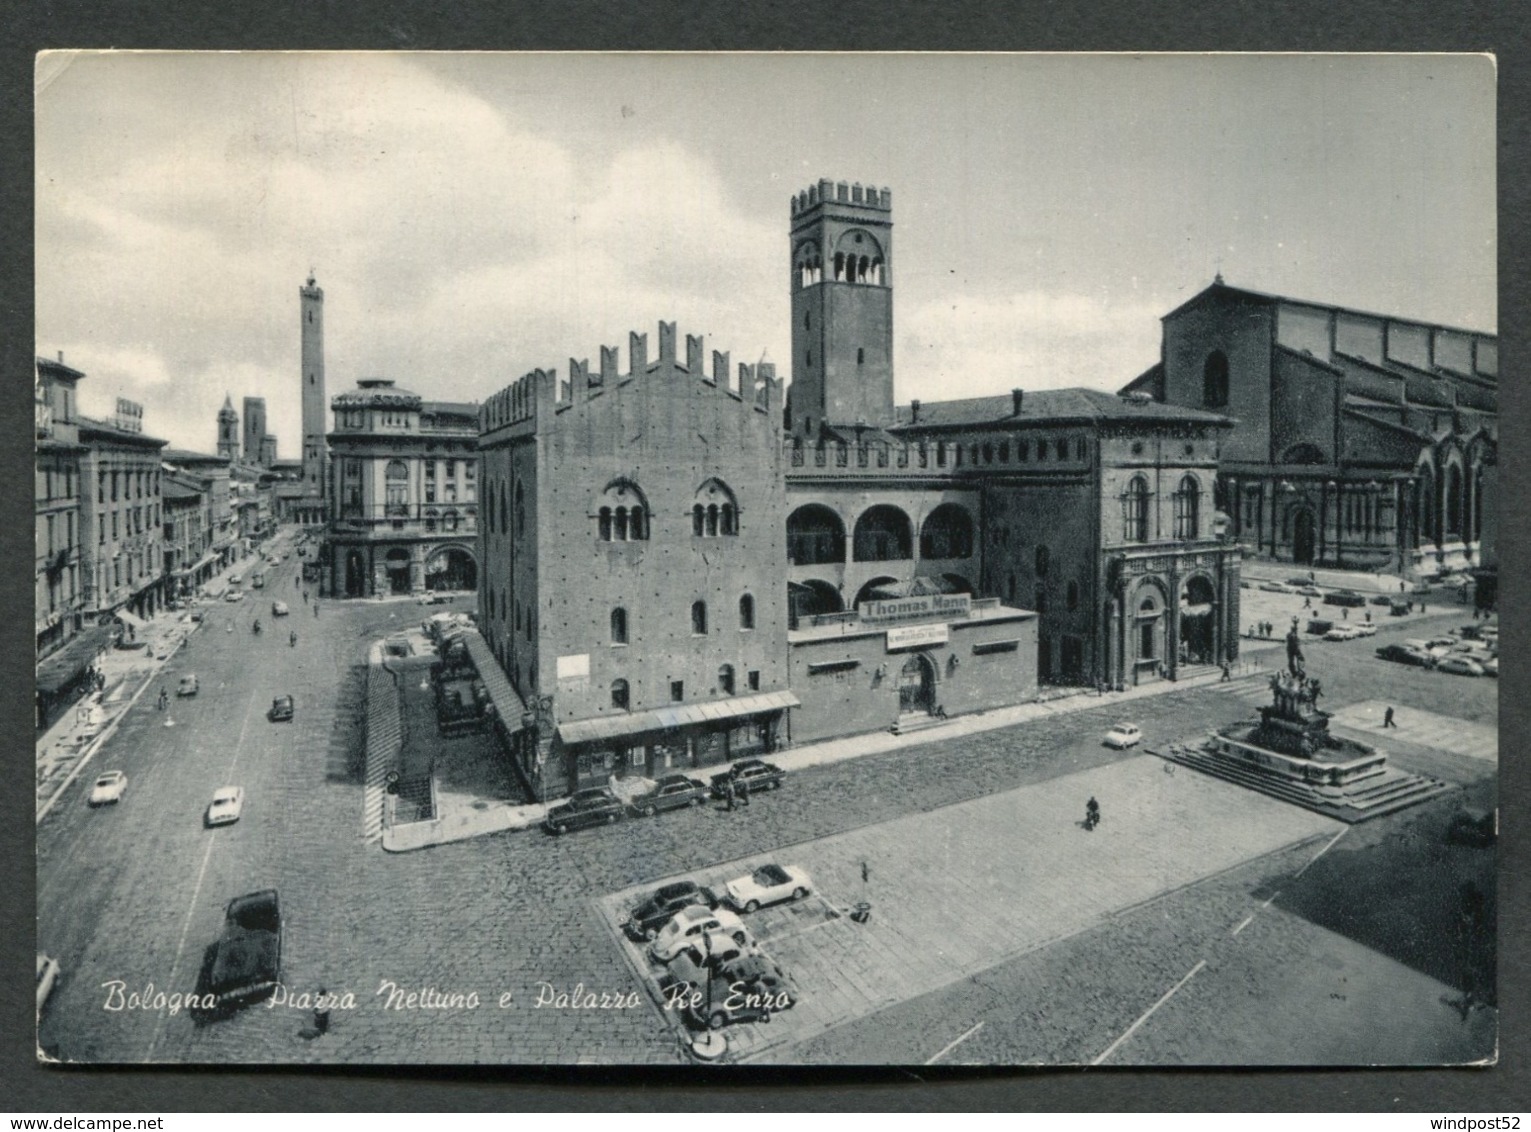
x=313, y=387
x=228, y=430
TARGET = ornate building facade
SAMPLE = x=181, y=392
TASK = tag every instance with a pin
x=402, y=494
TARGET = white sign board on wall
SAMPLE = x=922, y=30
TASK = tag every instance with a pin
x=913, y=636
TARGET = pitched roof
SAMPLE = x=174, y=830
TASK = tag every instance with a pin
x=1264, y=298
x=1050, y=406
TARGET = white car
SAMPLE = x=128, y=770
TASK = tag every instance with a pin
x=1343, y=633
x=109, y=788
x=227, y=804
x=188, y=686
x=1122, y=736
x=234, y=595
x=769, y=884
x=689, y=924
x=1365, y=629
x=279, y=609
x=1459, y=665
x=236, y=579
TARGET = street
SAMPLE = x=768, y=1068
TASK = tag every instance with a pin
x=499, y=938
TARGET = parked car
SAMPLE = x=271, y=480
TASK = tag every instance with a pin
x=187, y=686
x=689, y=923
x=1429, y=648
x=1343, y=633
x=1459, y=665
x=1365, y=629
x=109, y=788
x=1399, y=606
x=1122, y=736
x=1403, y=654
x=279, y=609
x=713, y=950
x=235, y=580
x=769, y=884
x=196, y=615
x=663, y=904
x=596, y=806
x=1383, y=599
x=1319, y=625
x=672, y=792
x=719, y=1002
x=1344, y=597
x=1310, y=591
x=749, y=776
x=47, y=976
x=234, y=595
x=227, y=804
x=1490, y=666
x=282, y=709
x=1276, y=587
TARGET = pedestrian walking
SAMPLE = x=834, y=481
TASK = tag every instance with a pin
x=305, y=597
x=866, y=873
x=316, y=609
x=164, y=699
x=1387, y=718
x=729, y=794
x=1226, y=677
x=1307, y=602
x=1091, y=813
x=1368, y=617
x=322, y=1012
x=1421, y=605
x=1344, y=613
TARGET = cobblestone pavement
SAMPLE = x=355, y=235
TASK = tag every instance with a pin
x=135, y=892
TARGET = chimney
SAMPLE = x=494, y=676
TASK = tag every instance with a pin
x=61, y=357
x=1015, y=402
x=914, y=412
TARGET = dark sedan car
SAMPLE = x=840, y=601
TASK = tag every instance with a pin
x=672, y=792
x=1403, y=654
x=748, y=777
x=281, y=709
x=661, y=906
x=596, y=806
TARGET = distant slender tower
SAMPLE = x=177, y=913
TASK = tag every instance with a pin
x=842, y=305
x=255, y=429
x=313, y=386
x=228, y=430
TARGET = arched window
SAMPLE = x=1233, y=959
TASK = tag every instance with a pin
x=947, y=533
x=449, y=521
x=714, y=511
x=621, y=513
x=747, y=612
x=396, y=487
x=1135, y=511
x=1187, y=508
x=619, y=626
x=1073, y=596
x=1043, y=562
x=430, y=519
x=520, y=509
x=1214, y=380
x=726, y=679
x=504, y=512
x=699, y=618
x=619, y=694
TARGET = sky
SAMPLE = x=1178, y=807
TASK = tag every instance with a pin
x=474, y=216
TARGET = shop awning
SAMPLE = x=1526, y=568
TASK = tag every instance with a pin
x=131, y=620
x=60, y=668
x=661, y=719
x=507, y=704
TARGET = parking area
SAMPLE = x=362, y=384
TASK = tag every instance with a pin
x=957, y=890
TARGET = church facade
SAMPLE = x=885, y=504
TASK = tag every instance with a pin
x=1361, y=441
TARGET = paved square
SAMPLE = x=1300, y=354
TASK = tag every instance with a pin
x=1425, y=728
x=989, y=879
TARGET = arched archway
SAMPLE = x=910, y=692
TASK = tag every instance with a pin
x=883, y=534
x=947, y=533
x=815, y=536
x=451, y=568
x=1454, y=500
x=1198, y=619
x=396, y=562
x=958, y=584
x=1214, y=380
x=917, y=685
x=865, y=592
x=1149, y=632
x=812, y=598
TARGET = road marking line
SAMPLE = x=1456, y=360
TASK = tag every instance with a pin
x=180, y=946
x=954, y=1043
x=1244, y=923
x=1322, y=851
x=1110, y=1049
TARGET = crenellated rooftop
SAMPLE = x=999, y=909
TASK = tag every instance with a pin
x=752, y=386
x=840, y=192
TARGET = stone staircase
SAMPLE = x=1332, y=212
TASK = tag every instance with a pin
x=1384, y=792
x=911, y=722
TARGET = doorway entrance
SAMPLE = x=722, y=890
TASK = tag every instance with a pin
x=917, y=685
x=1302, y=537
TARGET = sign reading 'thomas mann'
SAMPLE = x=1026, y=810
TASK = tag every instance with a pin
x=914, y=608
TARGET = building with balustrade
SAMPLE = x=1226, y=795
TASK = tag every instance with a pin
x=1362, y=441
x=402, y=494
